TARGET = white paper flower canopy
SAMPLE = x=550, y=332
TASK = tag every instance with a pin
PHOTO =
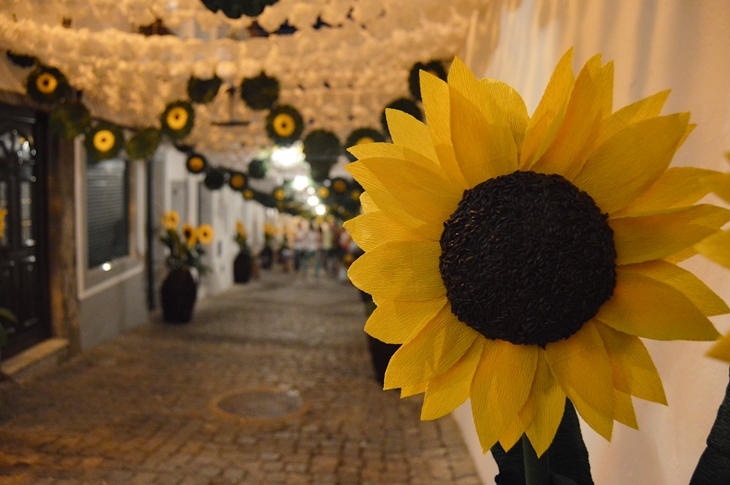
x=340, y=78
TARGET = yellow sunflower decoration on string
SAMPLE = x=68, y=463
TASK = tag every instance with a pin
x=104, y=140
x=284, y=125
x=178, y=119
x=205, y=234
x=519, y=259
x=248, y=194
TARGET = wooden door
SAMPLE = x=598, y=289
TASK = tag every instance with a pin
x=23, y=260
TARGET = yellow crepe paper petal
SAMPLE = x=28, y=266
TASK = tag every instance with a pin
x=677, y=187
x=449, y=390
x=633, y=369
x=409, y=391
x=581, y=123
x=408, y=132
x=624, y=409
x=648, y=308
x=393, y=322
x=483, y=150
x=462, y=81
x=403, y=270
x=544, y=408
x=395, y=153
x=643, y=238
x=431, y=352
x=548, y=116
x=716, y=248
x=580, y=365
x=681, y=256
x=513, y=434
x=691, y=286
x=513, y=105
x=721, y=350
x=639, y=111
x=500, y=387
x=628, y=163
x=435, y=94
x=375, y=228
x=367, y=204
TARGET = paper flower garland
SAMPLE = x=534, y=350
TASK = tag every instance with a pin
x=414, y=77
x=203, y=91
x=234, y=9
x=260, y=92
x=196, y=163
x=404, y=105
x=69, y=119
x=46, y=85
x=104, y=141
x=144, y=144
x=237, y=181
x=247, y=194
x=360, y=136
x=284, y=125
x=321, y=149
x=518, y=260
x=215, y=178
x=178, y=119
x=257, y=169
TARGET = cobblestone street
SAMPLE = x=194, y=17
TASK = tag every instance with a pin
x=140, y=409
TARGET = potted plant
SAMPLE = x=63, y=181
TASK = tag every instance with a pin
x=180, y=288
x=267, y=254
x=243, y=263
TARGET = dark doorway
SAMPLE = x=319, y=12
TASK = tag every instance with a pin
x=23, y=260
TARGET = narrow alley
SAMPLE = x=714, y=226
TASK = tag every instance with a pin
x=158, y=405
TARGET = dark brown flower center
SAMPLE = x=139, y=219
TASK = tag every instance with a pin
x=527, y=258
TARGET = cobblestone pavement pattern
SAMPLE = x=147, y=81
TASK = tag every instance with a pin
x=138, y=409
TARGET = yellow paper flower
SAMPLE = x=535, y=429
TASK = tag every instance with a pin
x=279, y=194
x=205, y=234
x=323, y=192
x=240, y=228
x=189, y=233
x=237, y=181
x=177, y=118
x=248, y=194
x=284, y=125
x=170, y=220
x=196, y=164
x=519, y=259
x=104, y=140
x=721, y=350
x=46, y=83
x=3, y=215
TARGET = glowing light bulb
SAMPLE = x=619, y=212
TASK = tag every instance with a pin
x=313, y=200
x=300, y=182
x=320, y=210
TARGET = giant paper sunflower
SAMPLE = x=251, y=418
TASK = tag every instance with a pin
x=518, y=260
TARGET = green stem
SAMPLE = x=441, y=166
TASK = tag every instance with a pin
x=537, y=470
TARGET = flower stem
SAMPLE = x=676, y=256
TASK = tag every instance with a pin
x=537, y=470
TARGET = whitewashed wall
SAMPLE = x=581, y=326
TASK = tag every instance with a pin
x=680, y=45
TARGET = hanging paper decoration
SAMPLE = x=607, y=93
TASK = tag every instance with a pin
x=196, y=163
x=144, y=144
x=414, y=78
x=21, y=60
x=407, y=106
x=235, y=9
x=267, y=200
x=260, y=92
x=339, y=186
x=177, y=120
x=323, y=193
x=361, y=136
x=284, y=125
x=258, y=168
x=203, y=91
x=321, y=149
x=69, y=119
x=216, y=178
x=237, y=180
x=248, y=194
x=104, y=141
x=46, y=85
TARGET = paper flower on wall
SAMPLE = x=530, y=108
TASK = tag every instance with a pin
x=21, y=60
x=205, y=234
x=519, y=259
x=432, y=67
x=69, y=119
x=104, y=141
x=284, y=125
x=196, y=163
x=260, y=92
x=235, y=9
x=144, y=144
x=237, y=181
x=178, y=119
x=203, y=91
x=404, y=105
x=258, y=169
x=46, y=85
x=215, y=178
x=361, y=136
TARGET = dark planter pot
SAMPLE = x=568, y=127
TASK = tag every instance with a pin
x=267, y=258
x=178, y=294
x=242, y=268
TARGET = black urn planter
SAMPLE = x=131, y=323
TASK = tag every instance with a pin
x=242, y=268
x=178, y=294
x=267, y=258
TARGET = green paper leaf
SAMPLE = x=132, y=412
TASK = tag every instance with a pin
x=714, y=465
x=560, y=480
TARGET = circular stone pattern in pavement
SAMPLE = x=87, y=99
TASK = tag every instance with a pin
x=262, y=404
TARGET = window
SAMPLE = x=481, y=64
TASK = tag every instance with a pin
x=107, y=208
